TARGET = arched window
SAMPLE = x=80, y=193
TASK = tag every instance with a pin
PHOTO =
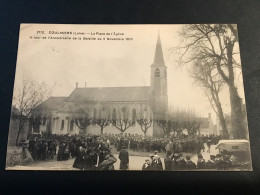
x=62, y=125
x=71, y=125
x=124, y=115
x=133, y=116
x=114, y=115
x=95, y=114
x=145, y=113
x=103, y=112
x=157, y=73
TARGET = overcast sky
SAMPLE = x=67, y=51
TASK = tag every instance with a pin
x=107, y=63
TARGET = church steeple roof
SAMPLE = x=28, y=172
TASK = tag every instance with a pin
x=158, y=57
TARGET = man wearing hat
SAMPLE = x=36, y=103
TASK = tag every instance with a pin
x=201, y=164
x=156, y=153
x=147, y=165
x=190, y=164
x=174, y=164
x=168, y=161
x=124, y=158
x=157, y=163
x=181, y=162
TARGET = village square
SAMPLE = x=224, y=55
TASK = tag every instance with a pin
x=138, y=116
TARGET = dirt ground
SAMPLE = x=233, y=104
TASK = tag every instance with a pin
x=136, y=160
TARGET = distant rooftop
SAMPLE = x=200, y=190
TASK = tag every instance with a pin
x=110, y=94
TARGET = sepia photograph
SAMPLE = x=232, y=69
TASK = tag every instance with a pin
x=129, y=98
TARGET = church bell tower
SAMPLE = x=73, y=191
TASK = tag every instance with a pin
x=159, y=93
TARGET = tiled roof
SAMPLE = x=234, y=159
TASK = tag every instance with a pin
x=110, y=94
x=53, y=103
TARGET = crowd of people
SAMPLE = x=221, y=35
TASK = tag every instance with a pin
x=184, y=143
x=175, y=162
x=94, y=152
x=90, y=152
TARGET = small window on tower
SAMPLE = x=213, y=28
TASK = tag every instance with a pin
x=157, y=72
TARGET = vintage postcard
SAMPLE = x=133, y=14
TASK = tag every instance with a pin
x=128, y=97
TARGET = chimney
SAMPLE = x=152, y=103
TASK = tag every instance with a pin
x=85, y=84
x=76, y=84
x=209, y=115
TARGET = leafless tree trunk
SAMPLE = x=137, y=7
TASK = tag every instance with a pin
x=121, y=124
x=145, y=124
x=205, y=75
x=82, y=122
x=216, y=42
x=29, y=96
x=102, y=123
x=166, y=126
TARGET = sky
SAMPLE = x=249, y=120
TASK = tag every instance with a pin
x=107, y=63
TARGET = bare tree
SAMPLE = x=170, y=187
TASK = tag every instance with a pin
x=103, y=120
x=182, y=119
x=103, y=123
x=206, y=76
x=82, y=122
x=81, y=117
x=166, y=126
x=219, y=43
x=145, y=124
x=192, y=126
x=177, y=127
x=29, y=96
x=122, y=123
x=36, y=121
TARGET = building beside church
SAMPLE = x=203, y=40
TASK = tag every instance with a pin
x=132, y=103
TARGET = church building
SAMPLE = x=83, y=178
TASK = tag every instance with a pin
x=132, y=103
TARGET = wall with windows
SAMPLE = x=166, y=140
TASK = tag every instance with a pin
x=61, y=122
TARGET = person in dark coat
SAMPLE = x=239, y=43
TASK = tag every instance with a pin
x=44, y=148
x=147, y=165
x=66, y=153
x=80, y=158
x=35, y=152
x=124, y=158
x=168, y=161
x=156, y=164
x=90, y=160
x=52, y=149
x=31, y=145
x=108, y=163
x=181, y=162
x=61, y=150
x=190, y=164
x=175, y=164
x=201, y=164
